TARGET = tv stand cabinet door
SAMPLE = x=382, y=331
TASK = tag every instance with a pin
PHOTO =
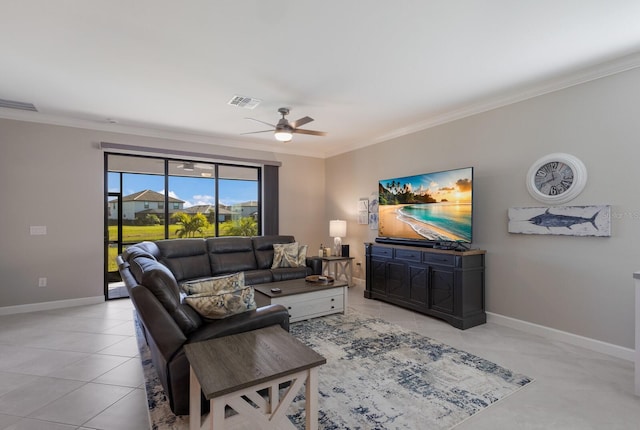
x=418, y=291
x=441, y=289
x=379, y=276
x=397, y=285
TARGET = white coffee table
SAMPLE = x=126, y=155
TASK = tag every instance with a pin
x=304, y=300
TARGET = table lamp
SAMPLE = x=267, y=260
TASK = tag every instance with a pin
x=337, y=230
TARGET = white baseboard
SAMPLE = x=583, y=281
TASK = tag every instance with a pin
x=359, y=282
x=563, y=336
x=45, y=306
x=610, y=349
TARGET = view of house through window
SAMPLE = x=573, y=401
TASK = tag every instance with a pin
x=155, y=198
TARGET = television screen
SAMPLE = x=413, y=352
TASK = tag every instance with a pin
x=434, y=207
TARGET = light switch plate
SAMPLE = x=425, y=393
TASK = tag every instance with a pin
x=38, y=230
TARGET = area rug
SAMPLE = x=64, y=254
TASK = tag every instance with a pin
x=378, y=376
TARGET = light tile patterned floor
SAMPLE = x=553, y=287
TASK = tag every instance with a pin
x=77, y=368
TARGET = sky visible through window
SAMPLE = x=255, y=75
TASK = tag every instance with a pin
x=193, y=191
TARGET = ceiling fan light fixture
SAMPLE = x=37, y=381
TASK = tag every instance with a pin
x=283, y=135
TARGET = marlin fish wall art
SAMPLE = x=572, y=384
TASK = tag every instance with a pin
x=561, y=220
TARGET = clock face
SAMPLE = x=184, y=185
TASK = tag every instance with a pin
x=554, y=178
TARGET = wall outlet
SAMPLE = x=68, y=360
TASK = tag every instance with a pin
x=42, y=282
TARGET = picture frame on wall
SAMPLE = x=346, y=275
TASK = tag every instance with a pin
x=363, y=211
x=373, y=211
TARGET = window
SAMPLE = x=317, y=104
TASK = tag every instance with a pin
x=154, y=198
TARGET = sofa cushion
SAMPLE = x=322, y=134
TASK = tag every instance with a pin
x=287, y=273
x=157, y=278
x=263, y=247
x=186, y=258
x=254, y=277
x=142, y=249
x=219, y=297
x=230, y=254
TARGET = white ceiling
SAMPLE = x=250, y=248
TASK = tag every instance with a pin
x=365, y=71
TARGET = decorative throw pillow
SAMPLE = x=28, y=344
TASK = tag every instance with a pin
x=285, y=255
x=302, y=255
x=219, y=297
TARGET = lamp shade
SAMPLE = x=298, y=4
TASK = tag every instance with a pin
x=337, y=228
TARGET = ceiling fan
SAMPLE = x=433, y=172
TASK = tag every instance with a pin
x=283, y=131
x=190, y=166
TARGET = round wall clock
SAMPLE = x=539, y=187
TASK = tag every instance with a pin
x=556, y=178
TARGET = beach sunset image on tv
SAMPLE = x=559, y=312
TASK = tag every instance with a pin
x=431, y=206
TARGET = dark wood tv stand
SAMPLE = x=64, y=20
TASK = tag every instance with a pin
x=441, y=283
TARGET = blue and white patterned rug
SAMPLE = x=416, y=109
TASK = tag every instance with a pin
x=378, y=376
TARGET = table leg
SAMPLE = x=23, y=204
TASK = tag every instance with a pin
x=217, y=413
x=311, y=396
x=194, y=401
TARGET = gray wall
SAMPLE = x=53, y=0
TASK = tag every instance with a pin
x=581, y=285
x=54, y=176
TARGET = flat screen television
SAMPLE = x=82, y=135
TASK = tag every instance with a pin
x=430, y=209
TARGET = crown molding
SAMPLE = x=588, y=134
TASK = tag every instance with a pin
x=159, y=133
x=566, y=80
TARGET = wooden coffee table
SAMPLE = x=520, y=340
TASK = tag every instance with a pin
x=304, y=299
x=230, y=371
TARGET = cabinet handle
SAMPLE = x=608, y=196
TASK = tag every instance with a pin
x=333, y=307
x=289, y=307
x=333, y=300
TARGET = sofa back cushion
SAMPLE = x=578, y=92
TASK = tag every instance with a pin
x=186, y=258
x=142, y=249
x=263, y=247
x=231, y=254
x=157, y=278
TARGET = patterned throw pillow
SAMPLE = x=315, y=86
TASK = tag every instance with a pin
x=219, y=297
x=302, y=255
x=285, y=255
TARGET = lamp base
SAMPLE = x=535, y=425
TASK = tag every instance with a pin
x=337, y=247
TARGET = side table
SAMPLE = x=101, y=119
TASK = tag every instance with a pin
x=338, y=267
x=230, y=371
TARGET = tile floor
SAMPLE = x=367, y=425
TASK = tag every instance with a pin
x=77, y=368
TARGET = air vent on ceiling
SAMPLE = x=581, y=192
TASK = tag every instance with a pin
x=10, y=104
x=244, y=102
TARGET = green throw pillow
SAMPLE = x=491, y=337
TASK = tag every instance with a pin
x=219, y=297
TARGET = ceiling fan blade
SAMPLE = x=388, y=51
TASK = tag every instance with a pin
x=254, y=132
x=301, y=122
x=203, y=166
x=266, y=123
x=311, y=132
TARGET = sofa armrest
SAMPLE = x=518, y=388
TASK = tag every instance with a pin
x=315, y=264
x=246, y=321
x=165, y=333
